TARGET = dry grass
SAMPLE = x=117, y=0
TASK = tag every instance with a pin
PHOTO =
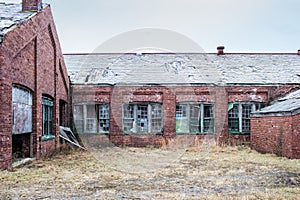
x=149, y=173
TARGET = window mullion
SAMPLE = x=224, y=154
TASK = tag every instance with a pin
x=149, y=118
x=135, y=118
x=48, y=120
x=97, y=107
x=188, y=115
x=201, y=118
x=240, y=118
x=84, y=117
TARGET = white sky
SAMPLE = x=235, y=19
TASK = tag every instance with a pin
x=239, y=25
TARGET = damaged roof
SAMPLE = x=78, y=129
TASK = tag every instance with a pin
x=169, y=68
x=285, y=106
x=11, y=15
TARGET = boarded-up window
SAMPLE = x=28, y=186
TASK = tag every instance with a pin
x=22, y=110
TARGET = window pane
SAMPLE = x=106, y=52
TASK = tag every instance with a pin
x=128, y=119
x=181, y=111
x=79, y=125
x=233, y=119
x=156, y=123
x=103, y=118
x=246, y=111
x=90, y=125
x=233, y=124
x=234, y=112
x=128, y=125
x=208, y=121
x=156, y=111
x=195, y=119
x=208, y=111
x=128, y=111
x=142, y=118
x=246, y=125
x=91, y=111
x=78, y=112
x=104, y=111
x=182, y=125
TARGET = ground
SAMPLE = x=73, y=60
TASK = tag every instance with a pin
x=199, y=172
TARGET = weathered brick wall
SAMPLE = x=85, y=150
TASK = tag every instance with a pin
x=295, y=151
x=272, y=134
x=250, y=93
x=31, y=57
x=169, y=96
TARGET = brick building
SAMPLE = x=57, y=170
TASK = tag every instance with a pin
x=34, y=84
x=146, y=99
x=276, y=128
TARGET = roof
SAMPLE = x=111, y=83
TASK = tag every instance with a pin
x=168, y=68
x=10, y=16
x=285, y=106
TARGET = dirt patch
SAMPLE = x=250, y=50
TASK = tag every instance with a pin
x=151, y=173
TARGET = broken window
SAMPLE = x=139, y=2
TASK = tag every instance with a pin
x=194, y=118
x=103, y=118
x=142, y=118
x=92, y=118
x=22, y=110
x=47, y=117
x=239, y=116
x=156, y=118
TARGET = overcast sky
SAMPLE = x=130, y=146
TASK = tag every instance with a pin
x=239, y=25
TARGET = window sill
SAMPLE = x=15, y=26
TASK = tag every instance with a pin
x=195, y=133
x=89, y=133
x=238, y=133
x=47, y=137
x=142, y=133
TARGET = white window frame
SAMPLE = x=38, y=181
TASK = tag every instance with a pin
x=87, y=123
x=152, y=121
x=254, y=106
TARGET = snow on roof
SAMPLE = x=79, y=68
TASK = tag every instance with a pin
x=167, y=68
x=10, y=16
x=288, y=105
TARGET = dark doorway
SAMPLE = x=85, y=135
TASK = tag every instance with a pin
x=20, y=146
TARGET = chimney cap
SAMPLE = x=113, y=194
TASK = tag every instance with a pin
x=220, y=47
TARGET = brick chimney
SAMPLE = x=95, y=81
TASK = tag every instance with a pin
x=31, y=5
x=220, y=50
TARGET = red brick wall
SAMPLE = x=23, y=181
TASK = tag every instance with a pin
x=272, y=134
x=169, y=96
x=31, y=57
x=295, y=151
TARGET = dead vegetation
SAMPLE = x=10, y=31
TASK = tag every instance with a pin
x=151, y=173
